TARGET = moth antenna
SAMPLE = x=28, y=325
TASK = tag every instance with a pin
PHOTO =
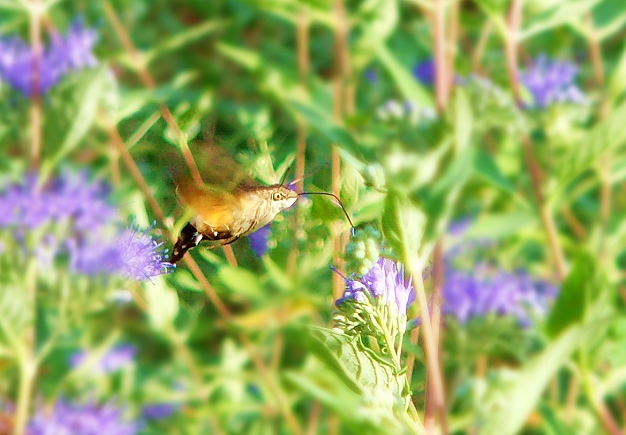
x=284, y=177
x=336, y=199
x=307, y=175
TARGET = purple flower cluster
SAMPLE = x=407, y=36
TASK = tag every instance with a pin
x=425, y=72
x=129, y=252
x=483, y=289
x=258, y=240
x=113, y=360
x=158, y=411
x=552, y=81
x=94, y=243
x=384, y=280
x=19, y=63
x=486, y=290
x=70, y=196
x=89, y=419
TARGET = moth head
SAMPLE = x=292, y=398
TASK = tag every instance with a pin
x=282, y=197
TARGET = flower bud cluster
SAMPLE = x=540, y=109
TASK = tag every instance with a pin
x=362, y=251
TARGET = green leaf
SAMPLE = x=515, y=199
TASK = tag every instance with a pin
x=181, y=39
x=329, y=347
x=609, y=17
x=618, y=78
x=79, y=104
x=607, y=135
x=186, y=280
x=162, y=303
x=240, y=280
x=324, y=386
x=15, y=313
x=277, y=275
x=359, y=369
x=509, y=405
x=561, y=13
x=321, y=120
x=403, y=225
x=408, y=86
x=582, y=288
x=244, y=57
x=552, y=423
x=500, y=226
x=493, y=7
x=380, y=17
x=486, y=168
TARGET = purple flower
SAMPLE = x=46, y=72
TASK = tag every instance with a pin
x=551, y=81
x=115, y=359
x=158, y=411
x=485, y=290
x=67, y=418
x=69, y=197
x=72, y=53
x=75, y=51
x=480, y=288
x=475, y=287
x=258, y=240
x=425, y=72
x=131, y=253
x=93, y=239
x=384, y=280
x=371, y=75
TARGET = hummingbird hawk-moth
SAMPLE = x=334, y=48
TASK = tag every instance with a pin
x=229, y=205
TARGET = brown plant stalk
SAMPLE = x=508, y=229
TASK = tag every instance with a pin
x=341, y=56
x=435, y=396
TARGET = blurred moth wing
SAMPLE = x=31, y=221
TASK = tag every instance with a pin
x=219, y=170
x=214, y=206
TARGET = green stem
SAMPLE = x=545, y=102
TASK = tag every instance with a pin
x=594, y=398
x=26, y=355
x=47, y=347
x=27, y=376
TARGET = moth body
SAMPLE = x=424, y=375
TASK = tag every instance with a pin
x=224, y=217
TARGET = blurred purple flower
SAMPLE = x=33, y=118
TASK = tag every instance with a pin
x=70, y=196
x=94, y=241
x=481, y=288
x=485, y=290
x=131, y=252
x=371, y=75
x=158, y=411
x=384, y=280
x=551, y=81
x=115, y=359
x=258, y=240
x=139, y=255
x=67, y=418
x=75, y=52
x=72, y=53
x=425, y=72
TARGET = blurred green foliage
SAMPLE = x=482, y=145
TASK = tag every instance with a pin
x=228, y=72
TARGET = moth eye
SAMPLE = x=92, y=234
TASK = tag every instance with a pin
x=277, y=196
